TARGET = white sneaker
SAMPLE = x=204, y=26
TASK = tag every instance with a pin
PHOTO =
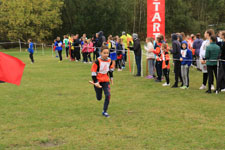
x=212, y=87
x=202, y=87
x=165, y=84
x=223, y=90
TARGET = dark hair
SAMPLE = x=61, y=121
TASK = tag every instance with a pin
x=160, y=38
x=210, y=32
x=198, y=35
x=104, y=47
x=213, y=38
x=30, y=40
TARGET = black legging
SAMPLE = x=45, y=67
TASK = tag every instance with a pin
x=221, y=77
x=31, y=57
x=166, y=74
x=60, y=55
x=205, y=78
x=177, y=71
x=67, y=51
x=77, y=53
x=158, y=66
x=211, y=70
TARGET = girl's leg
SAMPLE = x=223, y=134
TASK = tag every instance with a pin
x=120, y=63
x=166, y=74
x=186, y=75
x=151, y=67
x=183, y=74
x=98, y=92
x=31, y=57
x=67, y=51
x=89, y=56
x=60, y=55
x=205, y=78
x=106, y=89
x=187, y=71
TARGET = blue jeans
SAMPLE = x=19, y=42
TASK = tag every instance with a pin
x=138, y=63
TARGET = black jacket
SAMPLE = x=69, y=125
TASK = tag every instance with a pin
x=176, y=47
x=76, y=44
x=222, y=47
x=137, y=47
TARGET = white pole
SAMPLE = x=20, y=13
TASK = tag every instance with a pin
x=20, y=46
x=42, y=46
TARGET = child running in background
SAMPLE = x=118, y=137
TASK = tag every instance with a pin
x=165, y=57
x=58, y=45
x=149, y=47
x=119, y=53
x=186, y=60
x=100, y=70
x=31, y=50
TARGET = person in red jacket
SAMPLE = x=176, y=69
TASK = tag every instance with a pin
x=165, y=57
x=100, y=70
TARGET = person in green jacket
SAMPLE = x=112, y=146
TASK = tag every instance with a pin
x=211, y=55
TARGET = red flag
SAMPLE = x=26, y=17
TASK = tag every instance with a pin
x=11, y=69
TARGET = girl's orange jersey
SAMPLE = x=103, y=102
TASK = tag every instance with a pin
x=165, y=57
x=101, y=68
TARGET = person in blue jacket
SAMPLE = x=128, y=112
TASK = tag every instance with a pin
x=186, y=60
x=31, y=50
x=58, y=45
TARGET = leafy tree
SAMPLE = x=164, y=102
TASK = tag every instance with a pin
x=23, y=19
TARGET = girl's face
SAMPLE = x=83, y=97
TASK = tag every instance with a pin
x=206, y=35
x=105, y=53
x=184, y=46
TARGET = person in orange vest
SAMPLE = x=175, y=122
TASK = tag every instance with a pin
x=165, y=57
x=158, y=54
x=100, y=70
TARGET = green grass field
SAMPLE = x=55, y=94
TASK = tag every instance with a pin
x=55, y=108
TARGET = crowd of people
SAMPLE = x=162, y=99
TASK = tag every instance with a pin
x=90, y=48
x=206, y=55
x=191, y=50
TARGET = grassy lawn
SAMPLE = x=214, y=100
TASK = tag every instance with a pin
x=55, y=108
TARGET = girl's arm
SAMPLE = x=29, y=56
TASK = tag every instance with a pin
x=94, y=69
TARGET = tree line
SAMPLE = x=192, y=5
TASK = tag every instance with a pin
x=43, y=20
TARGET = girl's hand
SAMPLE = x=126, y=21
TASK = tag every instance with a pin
x=181, y=59
x=98, y=85
x=95, y=84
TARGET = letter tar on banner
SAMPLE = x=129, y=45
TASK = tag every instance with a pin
x=155, y=18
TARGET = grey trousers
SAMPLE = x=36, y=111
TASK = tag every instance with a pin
x=151, y=66
x=185, y=74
